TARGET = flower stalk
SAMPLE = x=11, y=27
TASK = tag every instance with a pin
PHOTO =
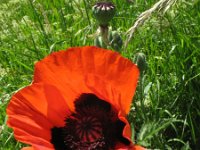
x=104, y=34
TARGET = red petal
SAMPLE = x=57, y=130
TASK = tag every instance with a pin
x=41, y=148
x=72, y=68
x=121, y=146
x=137, y=147
x=27, y=148
x=33, y=111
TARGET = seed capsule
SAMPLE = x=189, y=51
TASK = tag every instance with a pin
x=103, y=12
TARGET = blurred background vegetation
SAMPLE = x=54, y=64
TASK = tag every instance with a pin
x=166, y=109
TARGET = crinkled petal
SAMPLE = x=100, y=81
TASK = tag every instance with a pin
x=33, y=111
x=137, y=147
x=37, y=148
x=27, y=148
x=121, y=146
x=73, y=66
x=127, y=129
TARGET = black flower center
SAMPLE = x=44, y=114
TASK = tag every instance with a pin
x=93, y=126
x=88, y=129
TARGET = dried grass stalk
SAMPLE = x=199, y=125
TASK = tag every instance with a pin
x=161, y=6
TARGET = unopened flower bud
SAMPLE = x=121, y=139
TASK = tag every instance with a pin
x=99, y=42
x=103, y=12
x=140, y=60
x=115, y=40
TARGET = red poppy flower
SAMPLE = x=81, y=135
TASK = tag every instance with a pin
x=78, y=100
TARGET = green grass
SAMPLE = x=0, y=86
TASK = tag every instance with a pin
x=166, y=109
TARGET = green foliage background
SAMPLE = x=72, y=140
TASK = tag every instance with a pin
x=166, y=109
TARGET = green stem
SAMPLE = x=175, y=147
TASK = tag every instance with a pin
x=104, y=34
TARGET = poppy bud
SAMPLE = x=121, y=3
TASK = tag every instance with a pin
x=140, y=60
x=103, y=12
x=115, y=40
